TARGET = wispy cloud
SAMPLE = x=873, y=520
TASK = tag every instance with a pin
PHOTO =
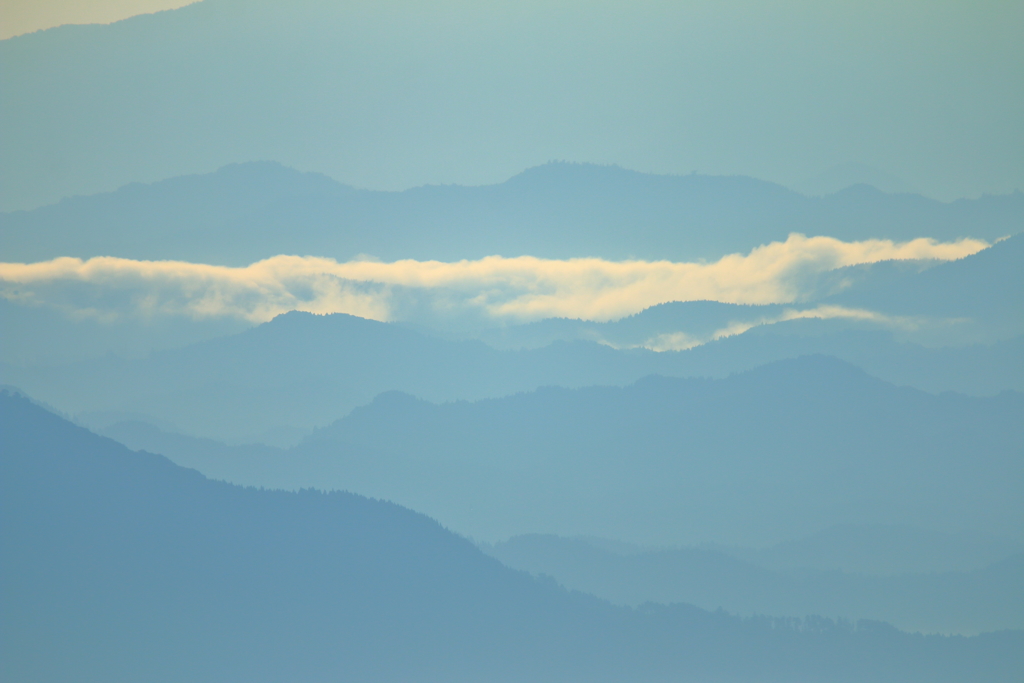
x=680, y=341
x=522, y=288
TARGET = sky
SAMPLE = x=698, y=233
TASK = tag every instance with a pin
x=394, y=94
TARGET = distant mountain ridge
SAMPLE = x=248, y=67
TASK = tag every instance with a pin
x=882, y=550
x=246, y=212
x=673, y=460
x=300, y=370
x=667, y=461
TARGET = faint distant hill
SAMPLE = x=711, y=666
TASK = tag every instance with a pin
x=246, y=212
x=121, y=566
x=960, y=602
x=303, y=370
x=881, y=549
x=772, y=454
x=842, y=176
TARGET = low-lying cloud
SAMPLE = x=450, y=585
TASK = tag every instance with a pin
x=514, y=289
x=680, y=341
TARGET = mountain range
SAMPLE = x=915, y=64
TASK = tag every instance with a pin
x=246, y=212
x=741, y=460
x=301, y=371
x=304, y=378
x=932, y=581
x=120, y=566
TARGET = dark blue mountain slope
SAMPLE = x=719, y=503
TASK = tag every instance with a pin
x=119, y=566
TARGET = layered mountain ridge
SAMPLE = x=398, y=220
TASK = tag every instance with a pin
x=120, y=565
x=247, y=212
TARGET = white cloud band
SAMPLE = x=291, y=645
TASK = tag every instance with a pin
x=521, y=288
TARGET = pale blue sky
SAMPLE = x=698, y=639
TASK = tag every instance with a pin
x=397, y=93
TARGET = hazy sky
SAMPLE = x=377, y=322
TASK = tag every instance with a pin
x=25, y=16
x=397, y=93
